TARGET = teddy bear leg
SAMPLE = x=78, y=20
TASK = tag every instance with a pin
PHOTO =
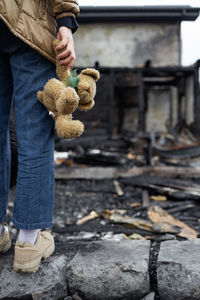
x=68, y=101
x=67, y=128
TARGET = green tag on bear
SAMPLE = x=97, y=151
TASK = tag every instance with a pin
x=72, y=80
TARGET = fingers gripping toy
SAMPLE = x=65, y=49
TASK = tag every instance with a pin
x=62, y=97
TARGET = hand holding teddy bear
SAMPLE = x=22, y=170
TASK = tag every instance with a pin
x=62, y=97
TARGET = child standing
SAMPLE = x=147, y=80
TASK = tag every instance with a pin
x=26, y=63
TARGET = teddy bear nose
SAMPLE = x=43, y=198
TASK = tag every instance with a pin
x=88, y=90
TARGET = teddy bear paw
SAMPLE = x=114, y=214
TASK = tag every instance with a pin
x=68, y=129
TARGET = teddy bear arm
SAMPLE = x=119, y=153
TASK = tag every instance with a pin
x=54, y=88
x=47, y=101
x=61, y=70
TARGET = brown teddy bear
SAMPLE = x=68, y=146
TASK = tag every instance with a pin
x=62, y=97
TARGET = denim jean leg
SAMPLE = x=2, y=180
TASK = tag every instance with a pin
x=5, y=109
x=34, y=200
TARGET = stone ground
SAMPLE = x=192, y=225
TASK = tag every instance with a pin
x=95, y=261
x=108, y=270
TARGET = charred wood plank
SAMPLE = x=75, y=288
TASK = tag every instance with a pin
x=97, y=156
x=64, y=172
x=180, y=189
x=165, y=182
x=180, y=208
x=181, y=151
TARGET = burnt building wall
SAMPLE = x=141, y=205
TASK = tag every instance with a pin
x=128, y=44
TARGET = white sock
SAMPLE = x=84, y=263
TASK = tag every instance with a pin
x=1, y=228
x=29, y=236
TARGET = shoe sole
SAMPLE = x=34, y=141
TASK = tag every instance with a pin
x=33, y=266
x=6, y=248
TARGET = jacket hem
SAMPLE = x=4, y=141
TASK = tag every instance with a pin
x=38, y=49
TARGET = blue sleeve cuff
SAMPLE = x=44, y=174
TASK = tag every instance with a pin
x=68, y=22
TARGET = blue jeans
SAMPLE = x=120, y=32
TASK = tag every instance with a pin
x=23, y=72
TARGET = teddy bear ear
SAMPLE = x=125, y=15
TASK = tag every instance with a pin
x=91, y=72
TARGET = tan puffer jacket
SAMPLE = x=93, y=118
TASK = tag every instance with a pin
x=34, y=21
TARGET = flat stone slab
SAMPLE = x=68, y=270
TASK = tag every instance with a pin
x=178, y=270
x=104, y=270
x=107, y=270
x=48, y=283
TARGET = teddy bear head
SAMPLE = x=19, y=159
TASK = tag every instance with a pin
x=86, y=87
